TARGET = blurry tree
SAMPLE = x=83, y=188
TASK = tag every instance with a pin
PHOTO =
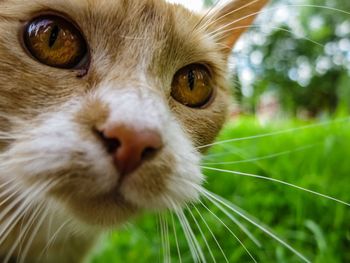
x=304, y=74
x=303, y=58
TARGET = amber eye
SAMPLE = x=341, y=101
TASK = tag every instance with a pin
x=192, y=86
x=55, y=42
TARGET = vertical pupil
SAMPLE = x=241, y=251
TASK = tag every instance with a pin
x=191, y=79
x=54, y=35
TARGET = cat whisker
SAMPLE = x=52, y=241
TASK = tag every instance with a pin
x=54, y=236
x=25, y=224
x=34, y=233
x=159, y=229
x=211, y=22
x=273, y=10
x=25, y=203
x=266, y=157
x=163, y=238
x=23, y=232
x=279, y=182
x=176, y=238
x=4, y=137
x=8, y=182
x=215, y=198
x=241, y=226
x=271, y=134
x=218, y=34
x=202, y=234
x=188, y=238
x=8, y=161
x=224, y=27
x=212, y=234
x=196, y=250
x=230, y=231
x=227, y=150
x=231, y=217
x=15, y=202
x=322, y=7
x=67, y=235
x=9, y=194
x=168, y=239
x=49, y=228
x=165, y=230
x=211, y=12
x=10, y=223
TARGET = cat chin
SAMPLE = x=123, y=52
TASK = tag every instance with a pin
x=175, y=194
x=102, y=212
x=156, y=186
x=165, y=183
x=117, y=208
x=167, y=191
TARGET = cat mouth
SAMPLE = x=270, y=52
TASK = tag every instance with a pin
x=107, y=210
x=133, y=192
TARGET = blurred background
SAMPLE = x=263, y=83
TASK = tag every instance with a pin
x=291, y=83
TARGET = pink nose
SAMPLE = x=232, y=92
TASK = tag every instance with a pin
x=130, y=147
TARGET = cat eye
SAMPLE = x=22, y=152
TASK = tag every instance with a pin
x=192, y=86
x=55, y=42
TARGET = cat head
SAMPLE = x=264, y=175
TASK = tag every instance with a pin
x=105, y=103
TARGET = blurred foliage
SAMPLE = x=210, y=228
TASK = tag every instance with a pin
x=310, y=157
x=303, y=74
x=284, y=53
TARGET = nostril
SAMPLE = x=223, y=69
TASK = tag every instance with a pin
x=111, y=144
x=129, y=147
x=148, y=153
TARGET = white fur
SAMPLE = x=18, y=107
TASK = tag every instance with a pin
x=143, y=108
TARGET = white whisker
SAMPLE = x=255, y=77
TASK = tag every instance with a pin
x=211, y=13
x=9, y=194
x=202, y=234
x=54, y=236
x=7, y=183
x=271, y=156
x=241, y=226
x=163, y=238
x=273, y=9
x=23, y=232
x=212, y=197
x=176, y=239
x=167, y=239
x=33, y=235
x=278, y=181
x=218, y=34
x=195, y=248
x=212, y=234
x=316, y=125
x=231, y=232
x=211, y=22
x=11, y=222
x=24, y=201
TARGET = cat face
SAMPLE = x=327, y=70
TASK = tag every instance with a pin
x=104, y=103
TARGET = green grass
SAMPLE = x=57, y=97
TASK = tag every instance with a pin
x=316, y=158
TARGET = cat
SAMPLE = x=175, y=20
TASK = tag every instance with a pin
x=104, y=105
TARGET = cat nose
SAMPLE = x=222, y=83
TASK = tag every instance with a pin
x=130, y=147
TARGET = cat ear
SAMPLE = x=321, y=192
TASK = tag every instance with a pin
x=228, y=22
